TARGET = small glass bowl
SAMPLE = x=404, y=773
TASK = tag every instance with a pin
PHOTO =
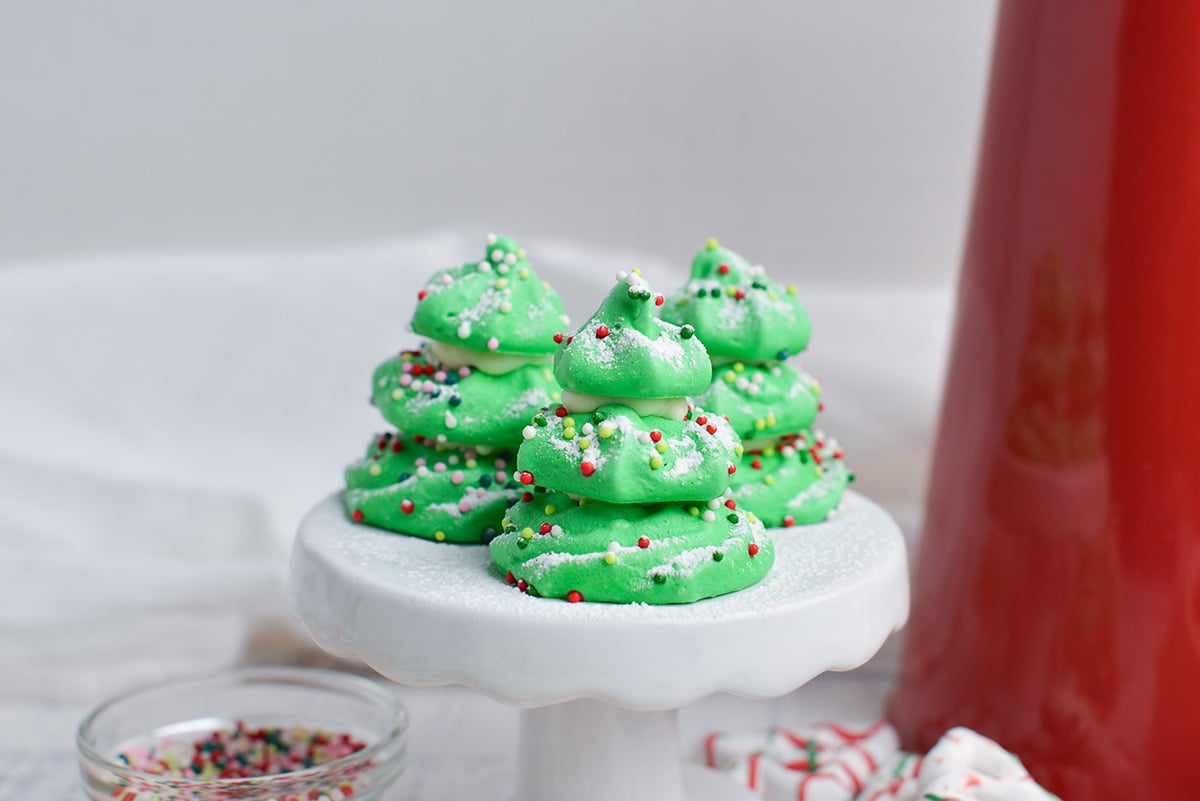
x=187, y=708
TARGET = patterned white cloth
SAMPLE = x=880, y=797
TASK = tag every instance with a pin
x=832, y=762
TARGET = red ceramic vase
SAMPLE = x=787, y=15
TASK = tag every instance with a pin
x=1056, y=603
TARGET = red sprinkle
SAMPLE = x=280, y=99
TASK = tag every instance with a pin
x=655, y=435
x=357, y=515
x=753, y=549
x=561, y=411
x=740, y=295
x=526, y=477
x=407, y=506
x=731, y=504
x=570, y=338
x=558, y=338
x=712, y=429
x=544, y=528
x=397, y=446
x=756, y=464
x=421, y=295
x=789, y=521
x=526, y=497
x=723, y=269
x=701, y=420
x=522, y=585
x=509, y=578
x=602, y=332
x=574, y=596
x=732, y=469
x=659, y=300
x=643, y=542
x=587, y=468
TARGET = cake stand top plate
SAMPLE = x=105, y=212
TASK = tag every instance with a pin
x=428, y=614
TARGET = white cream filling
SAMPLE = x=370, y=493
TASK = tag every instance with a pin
x=671, y=408
x=455, y=357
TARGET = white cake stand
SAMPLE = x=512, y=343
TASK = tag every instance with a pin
x=600, y=685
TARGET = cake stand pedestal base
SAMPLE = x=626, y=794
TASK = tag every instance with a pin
x=591, y=750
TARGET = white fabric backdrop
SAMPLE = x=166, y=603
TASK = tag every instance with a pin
x=167, y=418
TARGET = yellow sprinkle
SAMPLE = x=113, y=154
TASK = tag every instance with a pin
x=582, y=501
x=636, y=271
x=730, y=291
x=501, y=283
x=770, y=419
x=750, y=516
x=375, y=470
x=606, y=430
x=523, y=274
x=551, y=509
x=584, y=443
x=820, y=471
x=471, y=464
x=769, y=481
x=693, y=511
x=656, y=462
x=771, y=295
x=527, y=533
x=569, y=433
x=816, y=389
x=610, y=559
x=568, y=422
x=712, y=244
x=520, y=253
x=397, y=394
x=760, y=424
x=729, y=377
x=505, y=523
x=738, y=367
x=440, y=536
x=791, y=290
x=661, y=447
x=738, y=449
x=769, y=450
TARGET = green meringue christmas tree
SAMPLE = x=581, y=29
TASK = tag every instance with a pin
x=460, y=402
x=793, y=473
x=625, y=484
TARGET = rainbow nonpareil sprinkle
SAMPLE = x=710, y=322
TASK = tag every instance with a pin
x=242, y=752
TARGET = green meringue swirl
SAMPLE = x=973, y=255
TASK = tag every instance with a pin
x=413, y=486
x=616, y=455
x=623, y=350
x=556, y=547
x=495, y=305
x=763, y=401
x=801, y=480
x=418, y=394
x=737, y=310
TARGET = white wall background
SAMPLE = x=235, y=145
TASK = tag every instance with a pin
x=829, y=140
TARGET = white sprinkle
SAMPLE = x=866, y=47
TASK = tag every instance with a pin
x=493, y=343
x=511, y=258
x=422, y=471
x=451, y=422
x=714, y=503
x=622, y=275
x=614, y=546
x=491, y=239
x=709, y=516
x=447, y=280
x=485, y=266
x=497, y=255
x=502, y=269
x=375, y=470
x=529, y=432
x=587, y=429
x=464, y=331
x=505, y=307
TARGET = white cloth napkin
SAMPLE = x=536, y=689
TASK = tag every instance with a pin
x=166, y=419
